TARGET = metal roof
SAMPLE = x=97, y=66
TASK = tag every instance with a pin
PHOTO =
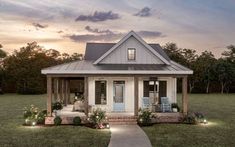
x=87, y=67
x=96, y=50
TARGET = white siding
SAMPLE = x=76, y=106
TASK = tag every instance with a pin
x=143, y=55
x=128, y=93
x=171, y=88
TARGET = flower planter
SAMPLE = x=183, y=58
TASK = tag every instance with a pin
x=174, y=110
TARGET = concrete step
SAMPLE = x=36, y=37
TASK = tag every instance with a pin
x=123, y=123
x=122, y=120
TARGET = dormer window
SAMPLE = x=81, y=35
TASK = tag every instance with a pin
x=131, y=54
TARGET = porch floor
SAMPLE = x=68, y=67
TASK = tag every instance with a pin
x=67, y=114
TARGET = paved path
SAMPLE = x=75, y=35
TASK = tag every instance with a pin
x=128, y=136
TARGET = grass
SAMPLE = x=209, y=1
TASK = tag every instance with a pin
x=220, y=131
x=13, y=134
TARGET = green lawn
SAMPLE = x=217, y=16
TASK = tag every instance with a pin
x=220, y=131
x=13, y=134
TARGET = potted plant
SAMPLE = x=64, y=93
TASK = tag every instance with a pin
x=56, y=107
x=175, y=107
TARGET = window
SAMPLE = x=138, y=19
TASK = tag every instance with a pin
x=100, y=92
x=131, y=53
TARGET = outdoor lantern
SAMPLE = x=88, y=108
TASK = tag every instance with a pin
x=107, y=126
x=205, y=121
x=33, y=123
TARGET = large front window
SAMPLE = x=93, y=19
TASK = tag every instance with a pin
x=131, y=54
x=100, y=92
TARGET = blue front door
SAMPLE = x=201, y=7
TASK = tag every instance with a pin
x=118, y=96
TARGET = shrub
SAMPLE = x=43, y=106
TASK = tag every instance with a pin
x=30, y=114
x=175, y=105
x=77, y=121
x=57, y=120
x=199, y=117
x=41, y=117
x=97, y=118
x=194, y=118
x=57, y=106
x=144, y=117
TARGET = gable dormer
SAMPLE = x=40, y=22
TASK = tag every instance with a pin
x=131, y=49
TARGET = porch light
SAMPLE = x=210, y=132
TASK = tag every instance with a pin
x=151, y=82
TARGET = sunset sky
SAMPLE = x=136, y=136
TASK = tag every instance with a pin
x=66, y=25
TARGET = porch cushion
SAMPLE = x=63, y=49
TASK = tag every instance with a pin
x=145, y=102
x=165, y=104
x=79, y=106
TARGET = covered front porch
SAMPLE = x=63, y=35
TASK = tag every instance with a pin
x=58, y=88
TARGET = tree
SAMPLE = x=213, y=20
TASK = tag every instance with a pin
x=230, y=54
x=225, y=74
x=23, y=68
x=189, y=58
x=3, y=54
x=174, y=53
x=206, y=69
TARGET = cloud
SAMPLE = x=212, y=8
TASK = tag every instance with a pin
x=96, y=30
x=39, y=26
x=99, y=16
x=150, y=34
x=108, y=35
x=145, y=12
x=92, y=37
x=59, y=32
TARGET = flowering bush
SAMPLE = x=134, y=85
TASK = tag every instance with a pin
x=30, y=114
x=33, y=115
x=97, y=118
x=144, y=117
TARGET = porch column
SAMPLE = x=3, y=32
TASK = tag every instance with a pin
x=62, y=91
x=136, y=95
x=184, y=95
x=58, y=89
x=86, y=95
x=55, y=88
x=49, y=95
x=66, y=92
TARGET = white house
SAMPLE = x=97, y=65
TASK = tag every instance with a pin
x=118, y=76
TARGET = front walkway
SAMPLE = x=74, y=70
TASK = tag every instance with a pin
x=128, y=136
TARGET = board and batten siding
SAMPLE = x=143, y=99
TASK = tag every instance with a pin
x=143, y=55
x=128, y=93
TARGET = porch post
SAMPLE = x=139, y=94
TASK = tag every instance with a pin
x=86, y=95
x=185, y=95
x=49, y=95
x=136, y=95
x=58, y=89
x=66, y=92
x=62, y=91
x=55, y=89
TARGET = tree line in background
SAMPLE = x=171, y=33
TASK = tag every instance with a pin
x=21, y=71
